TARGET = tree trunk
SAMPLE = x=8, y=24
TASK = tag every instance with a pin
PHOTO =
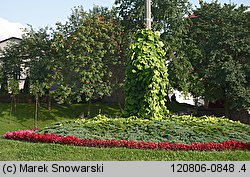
x=49, y=103
x=4, y=86
x=119, y=101
x=206, y=103
x=36, y=112
x=14, y=104
x=226, y=109
x=11, y=108
x=88, y=114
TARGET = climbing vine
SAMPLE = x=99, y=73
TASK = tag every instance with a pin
x=146, y=77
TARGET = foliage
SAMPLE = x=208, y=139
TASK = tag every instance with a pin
x=166, y=14
x=11, y=62
x=30, y=57
x=146, y=77
x=87, y=44
x=221, y=36
x=168, y=17
x=1, y=74
x=11, y=70
x=35, y=47
x=37, y=89
x=180, y=129
x=13, y=86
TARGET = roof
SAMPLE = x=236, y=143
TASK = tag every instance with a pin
x=10, y=38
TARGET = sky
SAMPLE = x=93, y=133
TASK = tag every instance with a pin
x=16, y=14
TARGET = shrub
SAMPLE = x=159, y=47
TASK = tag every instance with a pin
x=181, y=129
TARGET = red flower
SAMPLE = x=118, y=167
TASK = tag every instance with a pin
x=31, y=136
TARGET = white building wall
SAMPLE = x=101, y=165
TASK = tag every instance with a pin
x=188, y=99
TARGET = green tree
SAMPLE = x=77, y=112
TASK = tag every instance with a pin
x=4, y=85
x=221, y=34
x=1, y=75
x=83, y=48
x=11, y=70
x=37, y=52
x=146, y=77
x=11, y=62
x=35, y=47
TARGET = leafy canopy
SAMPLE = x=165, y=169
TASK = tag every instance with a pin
x=221, y=36
x=82, y=49
x=168, y=17
x=10, y=61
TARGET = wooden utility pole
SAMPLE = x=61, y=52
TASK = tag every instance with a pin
x=148, y=13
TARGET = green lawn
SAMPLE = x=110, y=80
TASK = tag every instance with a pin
x=15, y=150
x=23, y=119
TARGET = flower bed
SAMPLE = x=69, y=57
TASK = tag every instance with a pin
x=182, y=129
x=32, y=136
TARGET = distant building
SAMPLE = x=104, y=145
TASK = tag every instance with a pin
x=181, y=98
x=6, y=42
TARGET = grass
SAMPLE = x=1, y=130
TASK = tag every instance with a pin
x=24, y=116
x=23, y=151
x=23, y=119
